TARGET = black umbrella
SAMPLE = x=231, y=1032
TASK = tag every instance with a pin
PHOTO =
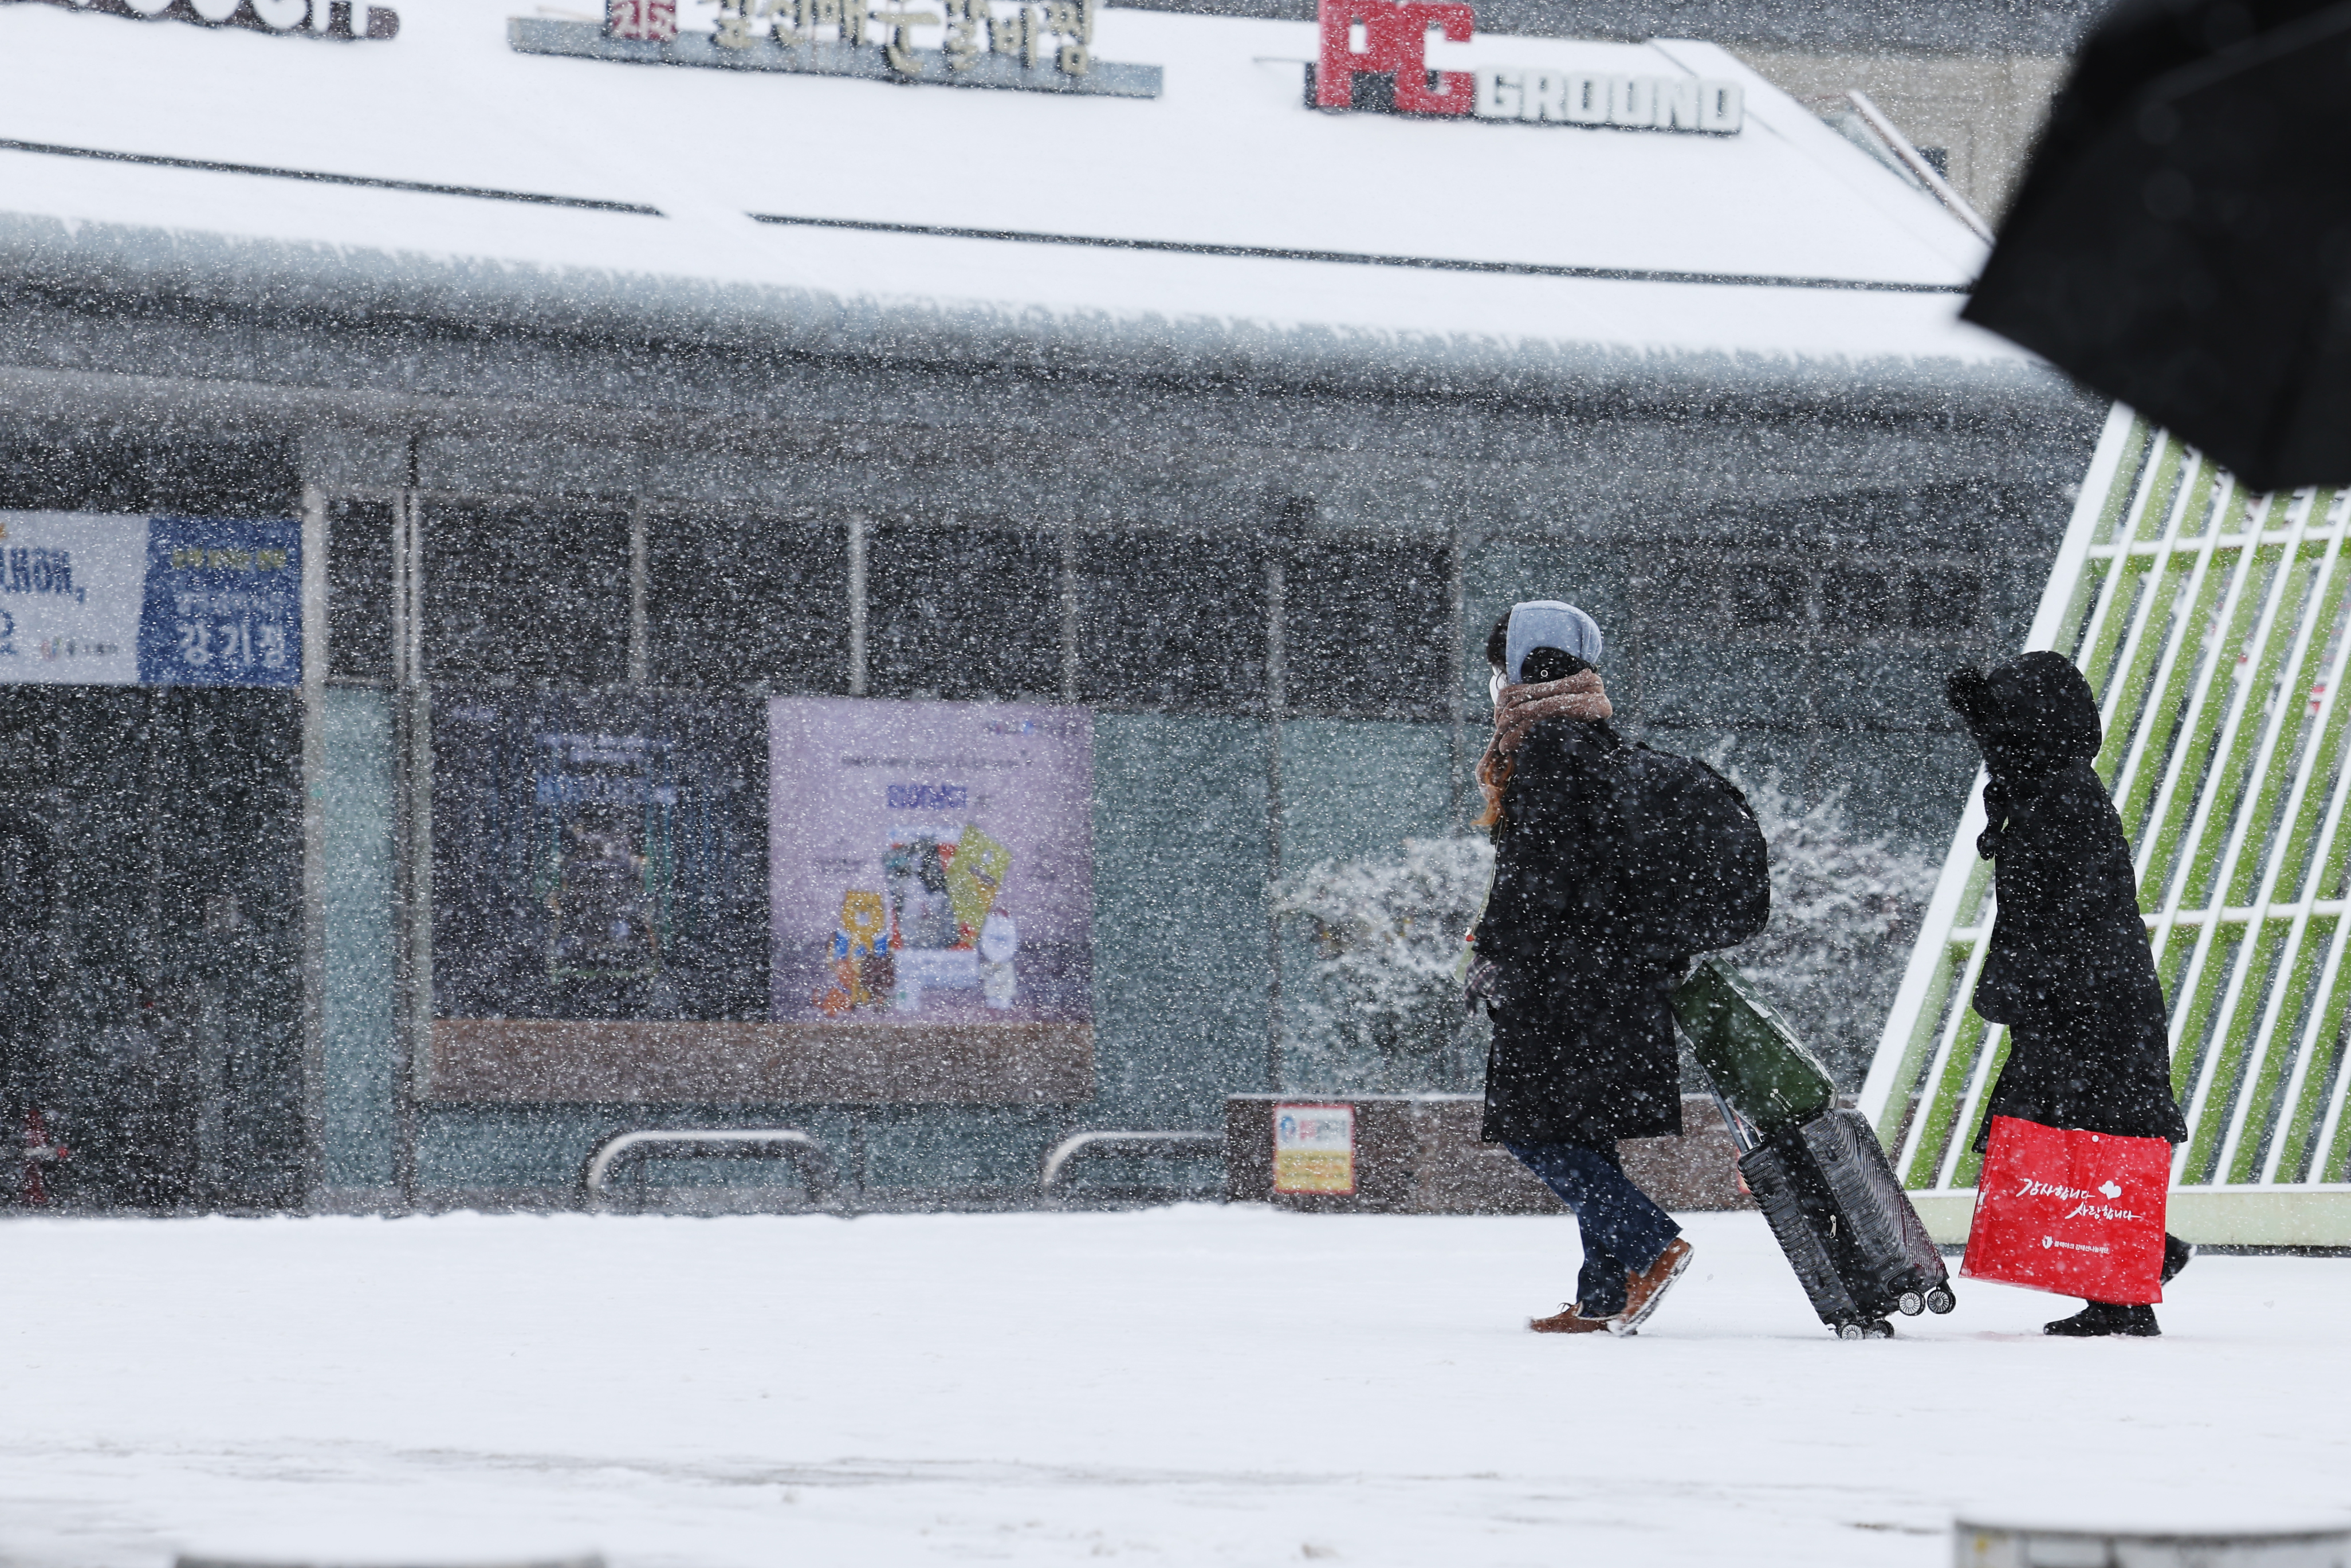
x=2182, y=241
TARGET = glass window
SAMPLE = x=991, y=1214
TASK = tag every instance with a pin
x=1866, y=599
x=735, y=600
x=1367, y=628
x=1172, y=621
x=1945, y=598
x=233, y=479
x=1767, y=599
x=963, y=613
x=1861, y=599
x=533, y=591
x=359, y=589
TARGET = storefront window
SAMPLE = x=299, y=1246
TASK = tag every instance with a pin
x=214, y=478
x=747, y=600
x=1770, y=599
x=963, y=613
x=359, y=590
x=1173, y=622
x=598, y=855
x=527, y=592
x=1946, y=597
x=1888, y=598
x=1366, y=628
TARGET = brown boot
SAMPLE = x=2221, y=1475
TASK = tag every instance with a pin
x=1644, y=1290
x=1570, y=1319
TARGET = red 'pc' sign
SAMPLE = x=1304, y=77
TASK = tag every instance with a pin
x=1396, y=43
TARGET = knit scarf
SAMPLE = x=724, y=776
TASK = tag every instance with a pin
x=1522, y=707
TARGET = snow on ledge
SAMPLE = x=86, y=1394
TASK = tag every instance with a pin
x=659, y=173
x=1818, y=343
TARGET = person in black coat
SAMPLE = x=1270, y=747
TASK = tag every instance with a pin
x=1583, y=1050
x=2069, y=970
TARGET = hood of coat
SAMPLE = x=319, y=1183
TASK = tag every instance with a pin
x=2030, y=715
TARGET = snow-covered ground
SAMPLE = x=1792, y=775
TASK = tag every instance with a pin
x=1193, y=1386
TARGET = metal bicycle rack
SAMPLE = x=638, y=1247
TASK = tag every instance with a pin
x=807, y=1155
x=1081, y=1145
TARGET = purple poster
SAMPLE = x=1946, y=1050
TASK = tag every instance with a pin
x=930, y=863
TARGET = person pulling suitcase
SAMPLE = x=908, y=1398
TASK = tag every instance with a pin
x=1609, y=874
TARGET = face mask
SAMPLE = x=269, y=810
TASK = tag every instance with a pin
x=1494, y=688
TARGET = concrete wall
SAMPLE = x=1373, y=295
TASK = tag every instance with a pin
x=1979, y=112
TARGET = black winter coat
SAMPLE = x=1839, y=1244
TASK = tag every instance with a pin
x=1584, y=1036
x=2069, y=969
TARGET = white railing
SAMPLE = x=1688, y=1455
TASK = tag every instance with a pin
x=2215, y=628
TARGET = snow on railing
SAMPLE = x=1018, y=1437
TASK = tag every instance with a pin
x=1079, y=1145
x=808, y=1157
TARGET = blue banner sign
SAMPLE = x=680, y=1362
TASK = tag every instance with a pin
x=222, y=604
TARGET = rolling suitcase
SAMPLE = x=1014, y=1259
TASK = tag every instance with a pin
x=1817, y=1172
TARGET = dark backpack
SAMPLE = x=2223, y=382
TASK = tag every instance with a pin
x=1696, y=855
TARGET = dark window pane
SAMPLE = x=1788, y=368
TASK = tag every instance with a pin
x=1684, y=593
x=1172, y=621
x=974, y=613
x=1766, y=597
x=170, y=970
x=359, y=589
x=1856, y=598
x=598, y=855
x=534, y=593
x=1944, y=599
x=734, y=600
x=1366, y=628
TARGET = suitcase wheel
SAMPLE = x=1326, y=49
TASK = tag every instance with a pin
x=1911, y=1304
x=1879, y=1329
x=1940, y=1301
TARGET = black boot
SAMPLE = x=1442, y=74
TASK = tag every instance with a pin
x=2177, y=1254
x=2097, y=1320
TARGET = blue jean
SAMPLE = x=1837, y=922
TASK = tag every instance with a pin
x=1624, y=1231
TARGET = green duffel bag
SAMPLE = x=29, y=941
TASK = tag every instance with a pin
x=1746, y=1048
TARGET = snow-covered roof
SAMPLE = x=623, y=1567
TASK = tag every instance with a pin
x=1229, y=158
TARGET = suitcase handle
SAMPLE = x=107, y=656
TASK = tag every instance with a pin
x=1741, y=1136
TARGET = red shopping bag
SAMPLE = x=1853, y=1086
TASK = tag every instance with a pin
x=2077, y=1214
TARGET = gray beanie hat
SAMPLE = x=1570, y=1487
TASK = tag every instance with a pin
x=1549, y=623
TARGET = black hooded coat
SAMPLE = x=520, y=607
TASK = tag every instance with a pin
x=2069, y=969
x=1583, y=1035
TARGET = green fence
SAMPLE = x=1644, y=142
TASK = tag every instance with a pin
x=2210, y=623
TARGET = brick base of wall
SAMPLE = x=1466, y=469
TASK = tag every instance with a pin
x=1420, y=1154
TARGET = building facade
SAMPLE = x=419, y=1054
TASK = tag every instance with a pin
x=577, y=512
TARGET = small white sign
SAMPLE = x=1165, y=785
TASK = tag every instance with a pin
x=1314, y=1148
